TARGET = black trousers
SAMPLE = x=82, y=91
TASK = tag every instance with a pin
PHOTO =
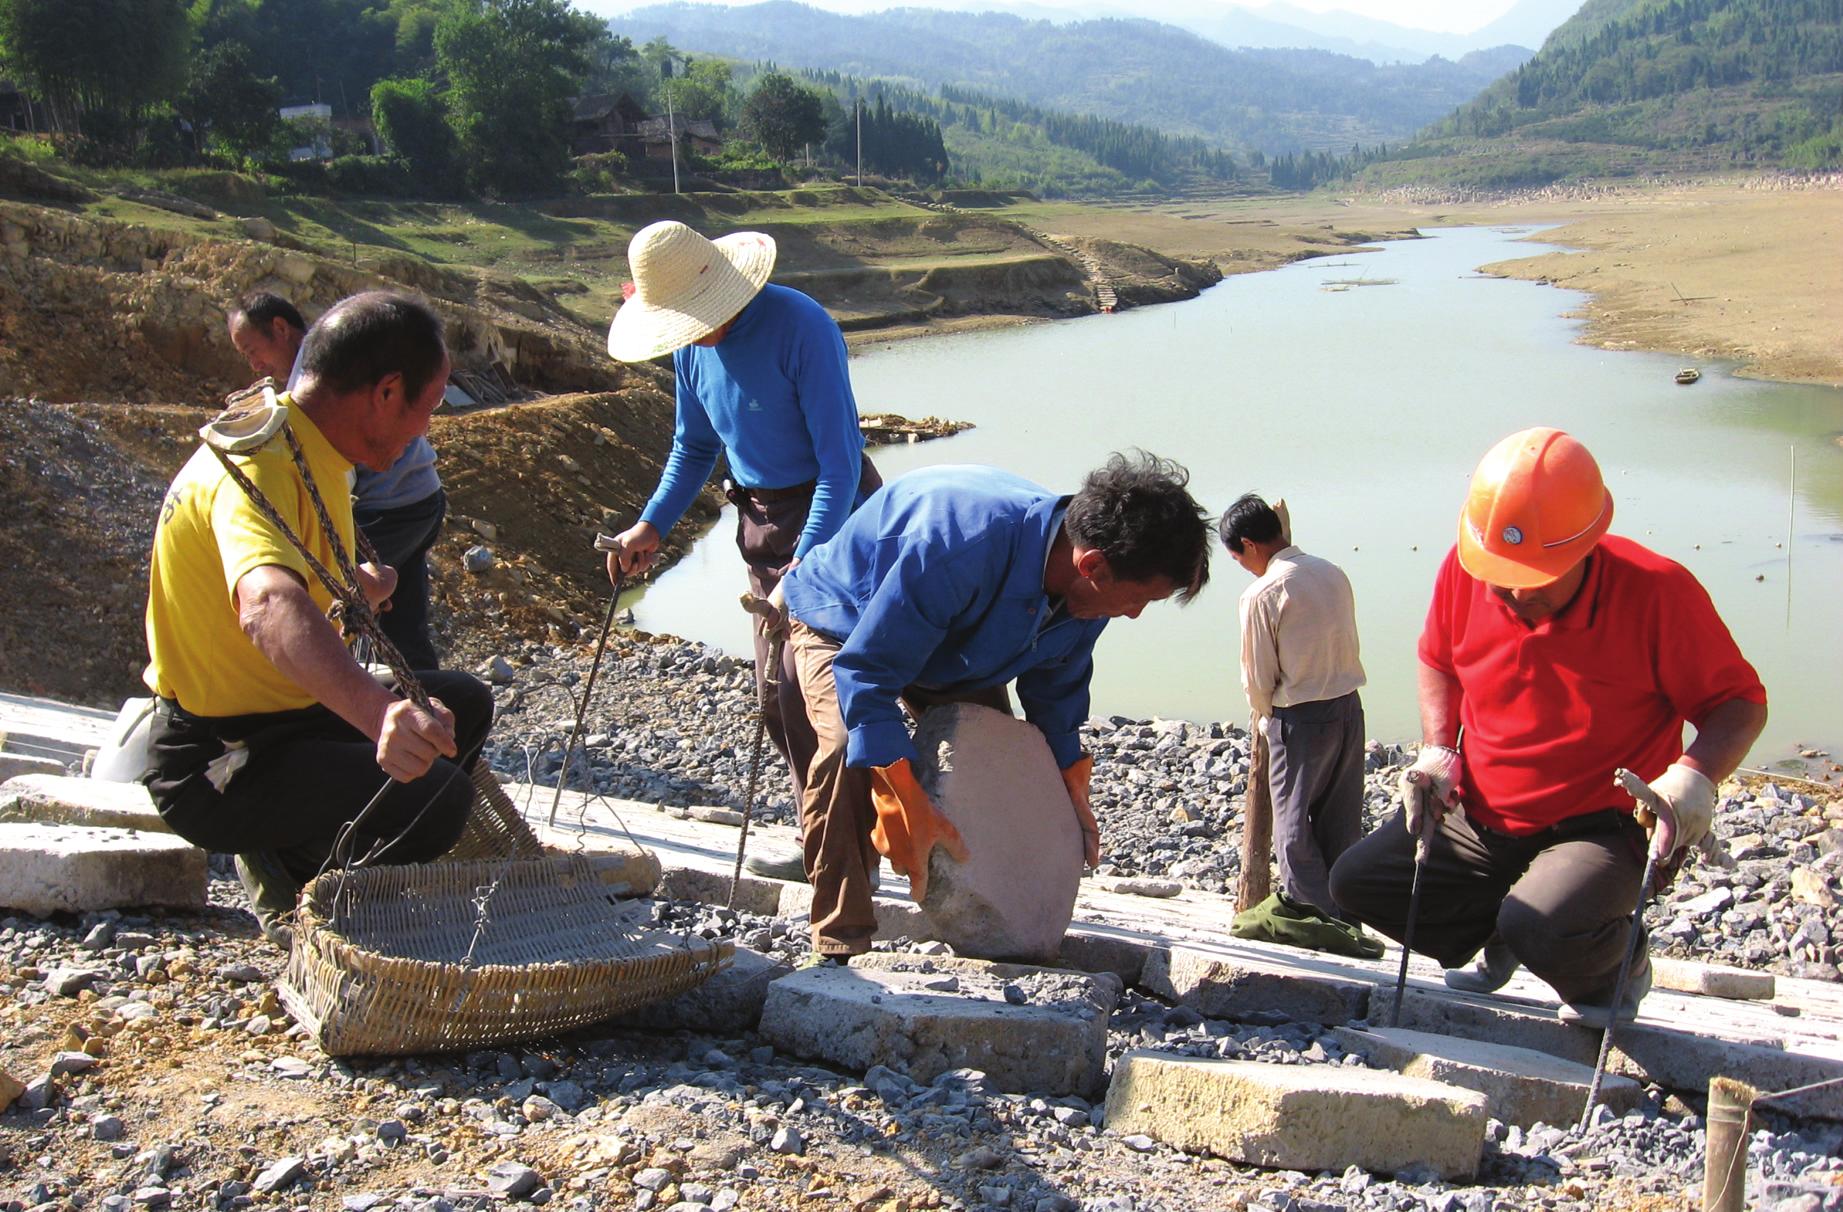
x=1562, y=898
x=308, y=773
x=403, y=537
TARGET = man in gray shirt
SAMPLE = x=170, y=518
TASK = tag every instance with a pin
x=1301, y=672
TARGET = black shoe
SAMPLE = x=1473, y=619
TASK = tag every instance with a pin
x=775, y=865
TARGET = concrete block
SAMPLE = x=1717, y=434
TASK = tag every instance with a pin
x=994, y=778
x=729, y=1003
x=58, y=799
x=1035, y=1030
x=753, y=894
x=895, y=918
x=1299, y=1117
x=1711, y=980
x=53, y=868
x=12, y=765
x=1222, y=985
x=1096, y=951
x=1525, y=1086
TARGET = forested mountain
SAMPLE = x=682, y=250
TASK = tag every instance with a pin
x=1685, y=83
x=1126, y=70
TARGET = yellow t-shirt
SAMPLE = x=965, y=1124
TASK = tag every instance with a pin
x=208, y=536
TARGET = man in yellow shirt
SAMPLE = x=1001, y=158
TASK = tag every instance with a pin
x=270, y=737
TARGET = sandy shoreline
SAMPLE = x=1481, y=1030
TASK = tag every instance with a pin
x=1761, y=268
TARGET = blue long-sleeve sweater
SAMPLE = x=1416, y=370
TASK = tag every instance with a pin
x=937, y=580
x=775, y=397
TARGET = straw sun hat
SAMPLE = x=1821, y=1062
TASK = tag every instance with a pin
x=685, y=286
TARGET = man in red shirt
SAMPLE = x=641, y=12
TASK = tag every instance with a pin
x=1559, y=653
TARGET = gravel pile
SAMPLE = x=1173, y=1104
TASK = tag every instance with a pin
x=672, y=723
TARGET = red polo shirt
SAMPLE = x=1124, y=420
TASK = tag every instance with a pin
x=1549, y=711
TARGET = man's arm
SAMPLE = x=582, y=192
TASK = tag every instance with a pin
x=831, y=413
x=1723, y=738
x=1260, y=654
x=1440, y=695
x=276, y=613
x=1055, y=698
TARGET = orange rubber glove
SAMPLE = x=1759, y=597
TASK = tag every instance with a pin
x=1076, y=778
x=909, y=826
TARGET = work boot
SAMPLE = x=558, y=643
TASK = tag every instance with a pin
x=777, y=865
x=816, y=959
x=1637, y=984
x=1495, y=965
x=273, y=896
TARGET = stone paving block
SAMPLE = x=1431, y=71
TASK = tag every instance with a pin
x=1229, y=986
x=895, y=918
x=1525, y=1086
x=1678, y=1057
x=51, y=868
x=993, y=776
x=753, y=894
x=1093, y=951
x=1028, y=1029
x=1299, y=1117
x=59, y=799
x=12, y=765
x=1712, y=980
x=729, y=1003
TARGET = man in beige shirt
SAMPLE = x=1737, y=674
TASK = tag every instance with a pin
x=1300, y=671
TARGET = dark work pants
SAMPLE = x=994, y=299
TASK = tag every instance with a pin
x=1562, y=898
x=769, y=523
x=309, y=772
x=403, y=537
x=1315, y=774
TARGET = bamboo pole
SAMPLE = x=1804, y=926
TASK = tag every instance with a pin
x=1724, y=1178
x=1256, y=828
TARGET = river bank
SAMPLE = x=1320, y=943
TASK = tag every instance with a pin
x=1759, y=260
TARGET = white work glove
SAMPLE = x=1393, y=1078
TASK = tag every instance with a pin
x=1431, y=783
x=1691, y=798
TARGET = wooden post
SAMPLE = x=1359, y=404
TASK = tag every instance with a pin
x=1256, y=828
x=1724, y=1177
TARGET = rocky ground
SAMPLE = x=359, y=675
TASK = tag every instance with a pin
x=161, y=1072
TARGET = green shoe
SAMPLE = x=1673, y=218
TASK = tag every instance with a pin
x=273, y=894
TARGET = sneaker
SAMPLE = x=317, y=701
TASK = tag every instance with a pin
x=777, y=865
x=273, y=895
x=1637, y=984
x=1495, y=965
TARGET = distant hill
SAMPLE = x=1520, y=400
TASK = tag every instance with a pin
x=1641, y=85
x=1273, y=101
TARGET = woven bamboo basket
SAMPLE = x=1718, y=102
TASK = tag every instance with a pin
x=382, y=965
x=495, y=828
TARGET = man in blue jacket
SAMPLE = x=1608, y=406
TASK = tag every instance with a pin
x=945, y=586
x=761, y=378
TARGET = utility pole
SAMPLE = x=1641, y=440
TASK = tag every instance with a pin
x=860, y=109
x=672, y=137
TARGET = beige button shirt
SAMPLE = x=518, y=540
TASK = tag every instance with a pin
x=1298, y=634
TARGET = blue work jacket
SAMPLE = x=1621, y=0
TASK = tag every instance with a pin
x=937, y=581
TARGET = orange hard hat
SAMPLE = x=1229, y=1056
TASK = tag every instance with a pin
x=1536, y=508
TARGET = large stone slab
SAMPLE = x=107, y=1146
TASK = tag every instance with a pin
x=1712, y=980
x=1525, y=1086
x=993, y=776
x=1031, y=1030
x=729, y=1003
x=1224, y=985
x=59, y=799
x=63, y=868
x=1099, y=951
x=753, y=894
x=13, y=765
x=1299, y=1117
x=1667, y=1045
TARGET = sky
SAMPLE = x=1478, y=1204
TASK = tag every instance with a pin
x=1448, y=16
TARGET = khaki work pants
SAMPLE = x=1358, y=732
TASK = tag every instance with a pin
x=836, y=815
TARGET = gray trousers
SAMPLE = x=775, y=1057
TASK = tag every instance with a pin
x=1562, y=898
x=1315, y=775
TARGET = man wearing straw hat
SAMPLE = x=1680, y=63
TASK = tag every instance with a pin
x=761, y=378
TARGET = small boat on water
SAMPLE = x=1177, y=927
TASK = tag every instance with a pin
x=1688, y=375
